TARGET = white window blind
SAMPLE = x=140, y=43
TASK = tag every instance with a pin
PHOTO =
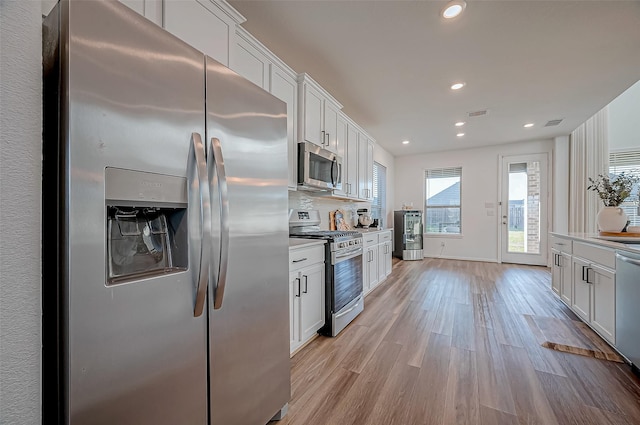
x=378, y=209
x=443, y=202
x=627, y=161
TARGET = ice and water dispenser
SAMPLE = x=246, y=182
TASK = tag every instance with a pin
x=146, y=221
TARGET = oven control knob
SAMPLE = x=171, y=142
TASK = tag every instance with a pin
x=351, y=242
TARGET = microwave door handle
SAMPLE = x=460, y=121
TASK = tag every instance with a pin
x=216, y=153
x=334, y=167
x=197, y=159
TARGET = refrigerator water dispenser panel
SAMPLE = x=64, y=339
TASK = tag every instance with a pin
x=146, y=225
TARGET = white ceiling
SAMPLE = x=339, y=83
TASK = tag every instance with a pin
x=391, y=63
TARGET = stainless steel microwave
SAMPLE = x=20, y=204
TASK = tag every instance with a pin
x=318, y=168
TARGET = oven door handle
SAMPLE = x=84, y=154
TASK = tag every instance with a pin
x=349, y=311
x=347, y=256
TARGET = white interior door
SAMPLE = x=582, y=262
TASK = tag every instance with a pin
x=524, y=209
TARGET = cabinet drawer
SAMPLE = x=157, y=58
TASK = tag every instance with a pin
x=597, y=254
x=562, y=244
x=303, y=257
x=384, y=236
x=370, y=239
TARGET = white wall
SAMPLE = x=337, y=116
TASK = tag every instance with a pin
x=480, y=182
x=20, y=211
x=623, y=120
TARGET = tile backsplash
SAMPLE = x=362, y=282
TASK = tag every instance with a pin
x=309, y=201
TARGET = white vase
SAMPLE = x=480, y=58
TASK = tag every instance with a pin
x=612, y=219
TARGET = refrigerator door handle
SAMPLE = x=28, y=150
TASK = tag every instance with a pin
x=216, y=153
x=198, y=158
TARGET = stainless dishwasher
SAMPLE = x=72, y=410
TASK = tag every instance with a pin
x=628, y=306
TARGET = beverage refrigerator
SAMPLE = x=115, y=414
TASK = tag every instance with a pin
x=407, y=226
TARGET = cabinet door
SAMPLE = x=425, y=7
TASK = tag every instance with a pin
x=331, y=127
x=294, y=311
x=351, y=187
x=365, y=168
x=604, y=301
x=581, y=304
x=312, y=301
x=251, y=63
x=388, y=258
x=313, y=103
x=285, y=88
x=384, y=259
x=556, y=272
x=199, y=25
x=372, y=266
x=150, y=9
x=566, y=293
x=341, y=143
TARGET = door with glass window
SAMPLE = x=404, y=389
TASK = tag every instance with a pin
x=523, y=215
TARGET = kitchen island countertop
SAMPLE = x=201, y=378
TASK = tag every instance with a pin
x=631, y=245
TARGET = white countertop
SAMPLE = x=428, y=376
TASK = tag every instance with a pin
x=301, y=242
x=596, y=239
x=373, y=230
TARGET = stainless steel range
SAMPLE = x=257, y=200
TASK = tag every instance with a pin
x=343, y=263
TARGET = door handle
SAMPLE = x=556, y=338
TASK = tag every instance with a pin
x=589, y=281
x=298, y=294
x=297, y=261
x=322, y=131
x=215, y=151
x=334, y=167
x=201, y=184
x=584, y=273
x=306, y=284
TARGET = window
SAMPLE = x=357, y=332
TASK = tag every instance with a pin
x=443, y=201
x=629, y=162
x=378, y=209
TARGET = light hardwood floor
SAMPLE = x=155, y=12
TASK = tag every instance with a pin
x=456, y=342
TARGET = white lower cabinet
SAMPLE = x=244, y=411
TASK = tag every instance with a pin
x=306, y=294
x=370, y=275
x=603, y=317
x=376, y=260
x=594, y=293
x=581, y=290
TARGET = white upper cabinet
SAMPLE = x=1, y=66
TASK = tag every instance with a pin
x=350, y=172
x=285, y=88
x=249, y=60
x=150, y=9
x=365, y=168
x=318, y=114
x=256, y=63
x=313, y=114
x=207, y=25
x=331, y=113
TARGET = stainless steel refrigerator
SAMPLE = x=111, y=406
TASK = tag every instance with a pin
x=165, y=286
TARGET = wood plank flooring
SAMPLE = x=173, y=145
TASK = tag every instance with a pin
x=452, y=342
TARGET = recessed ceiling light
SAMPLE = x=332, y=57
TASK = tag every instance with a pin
x=529, y=125
x=453, y=9
x=405, y=142
x=457, y=86
x=460, y=123
x=460, y=134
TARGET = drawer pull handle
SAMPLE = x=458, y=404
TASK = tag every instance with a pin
x=302, y=259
